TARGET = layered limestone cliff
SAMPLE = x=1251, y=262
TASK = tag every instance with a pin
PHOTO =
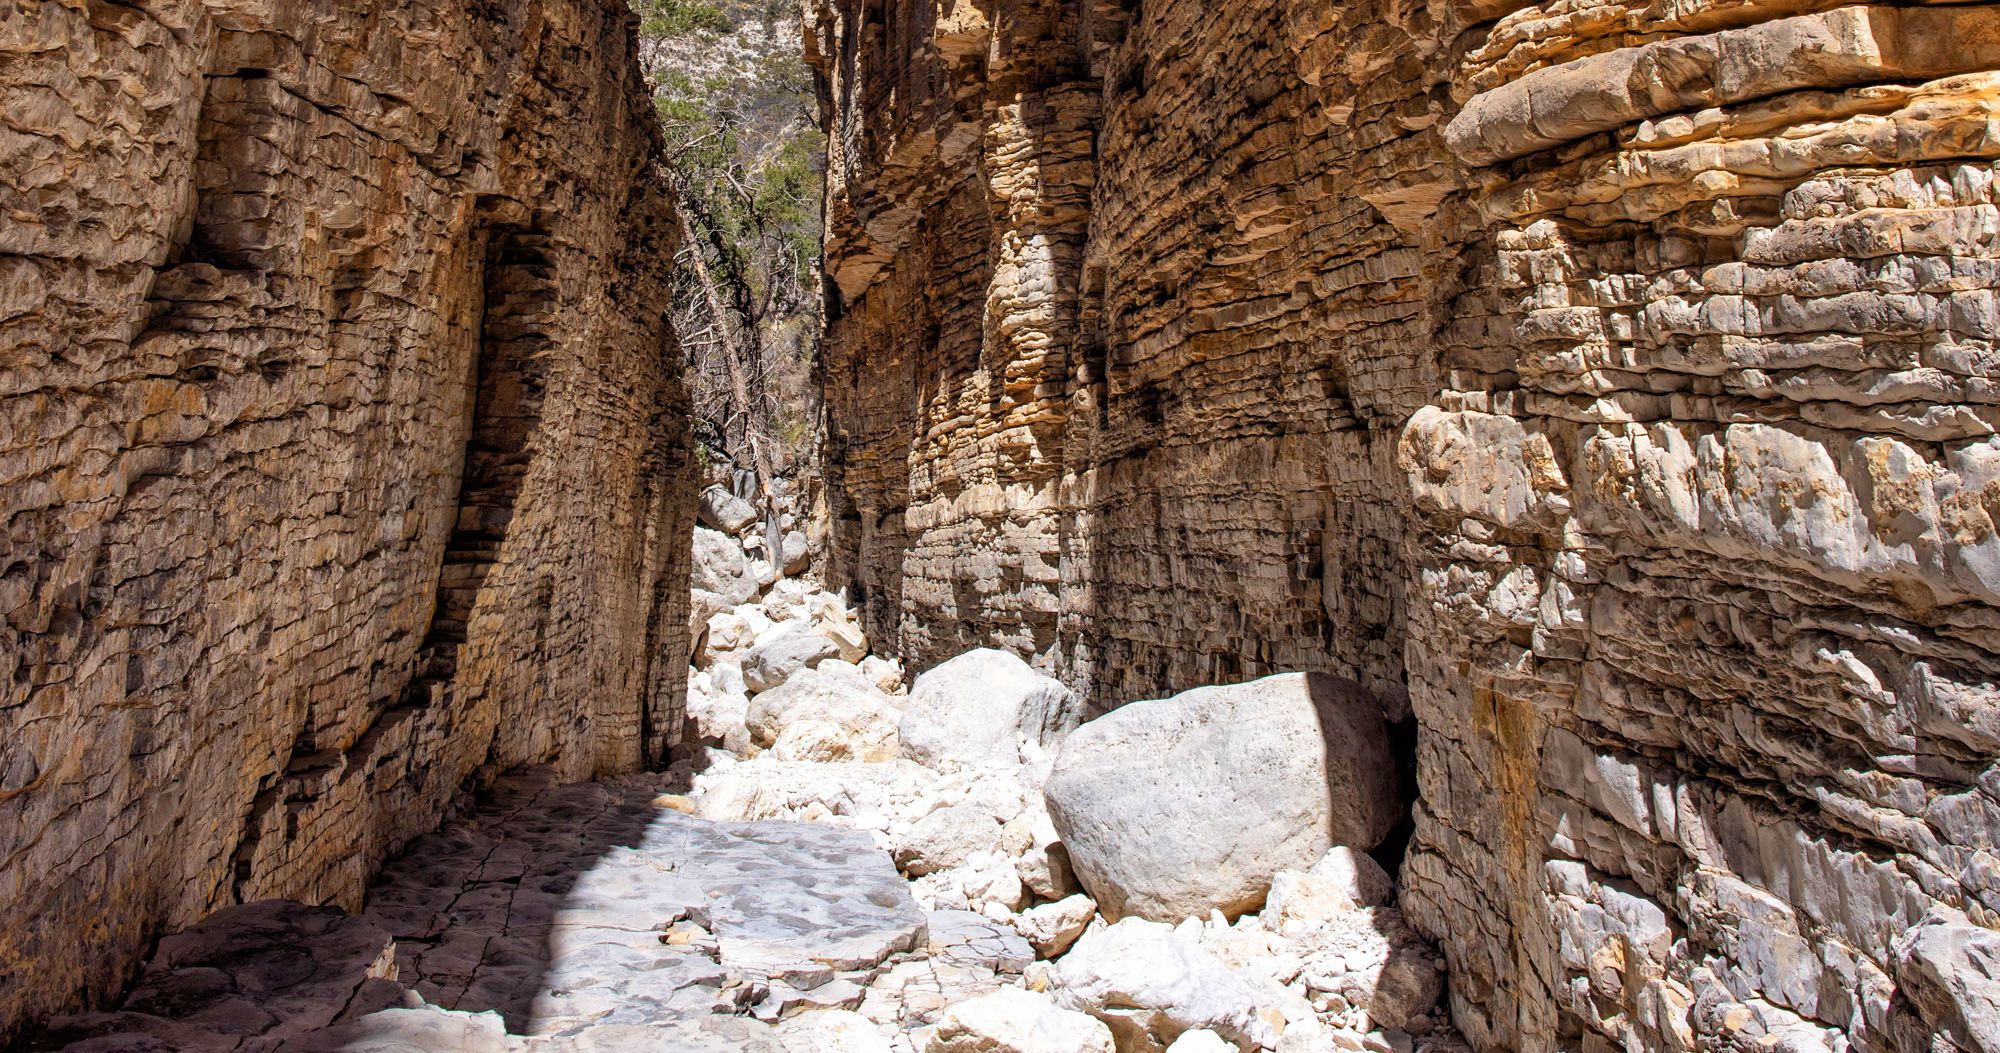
x=1607, y=384
x=342, y=446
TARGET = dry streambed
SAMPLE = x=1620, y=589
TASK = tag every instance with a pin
x=839, y=865
x=1190, y=872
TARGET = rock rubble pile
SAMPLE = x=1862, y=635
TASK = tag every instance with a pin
x=839, y=863
x=1190, y=873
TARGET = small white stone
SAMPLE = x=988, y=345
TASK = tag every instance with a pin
x=1052, y=927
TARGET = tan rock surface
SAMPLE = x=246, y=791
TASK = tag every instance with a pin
x=341, y=446
x=1610, y=381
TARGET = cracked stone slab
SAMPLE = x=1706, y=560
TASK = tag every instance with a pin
x=429, y=1029
x=590, y=905
x=962, y=937
x=580, y=917
x=783, y=893
x=251, y=977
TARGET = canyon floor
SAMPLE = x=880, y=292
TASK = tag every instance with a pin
x=796, y=883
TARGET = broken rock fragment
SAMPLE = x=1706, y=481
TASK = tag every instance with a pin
x=1150, y=985
x=1343, y=880
x=1052, y=927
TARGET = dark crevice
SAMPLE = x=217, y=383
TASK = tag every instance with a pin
x=508, y=383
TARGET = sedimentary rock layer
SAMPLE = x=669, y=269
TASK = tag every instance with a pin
x=1120, y=352
x=341, y=446
x=1610, y=382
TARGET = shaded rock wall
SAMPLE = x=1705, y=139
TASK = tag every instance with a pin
x=1110, y=380
x=342, y=446
x=1609, y=384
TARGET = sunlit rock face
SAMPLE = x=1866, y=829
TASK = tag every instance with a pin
x=1610, y=382
x=341, y=446
x=1122, y=351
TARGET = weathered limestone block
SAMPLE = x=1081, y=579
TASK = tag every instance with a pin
x=342, y=447
x=1174, y=807
x=1011, y=1020
x=977, y=710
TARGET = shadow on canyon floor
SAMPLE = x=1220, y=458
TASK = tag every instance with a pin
x=474, y=905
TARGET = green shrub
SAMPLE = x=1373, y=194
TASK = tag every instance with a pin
x=678, y=18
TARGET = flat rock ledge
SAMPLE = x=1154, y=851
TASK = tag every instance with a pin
x=591, y=916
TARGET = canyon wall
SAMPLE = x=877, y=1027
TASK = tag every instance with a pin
x=1607, y=385
x=343, y=454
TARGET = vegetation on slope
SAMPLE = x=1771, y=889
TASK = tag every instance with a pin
x=737, y=104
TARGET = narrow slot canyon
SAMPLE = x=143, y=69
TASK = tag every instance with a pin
x=999, y=526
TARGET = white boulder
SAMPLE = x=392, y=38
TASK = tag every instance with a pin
x=721, y=568
x=795, y=552
x=972, y=711
x=1052, y=927
x=1012, y=1020
x=858, y=735
x=1173, y=807
x=831, y=692
x=772, y=661
x=944, y=839
x=728, y=631
x=1150, y=986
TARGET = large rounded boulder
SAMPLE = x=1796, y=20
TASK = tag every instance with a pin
x=975, y=710
x=1172, y=807
x=724, y=511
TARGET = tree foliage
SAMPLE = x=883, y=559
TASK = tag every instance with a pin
x=675, y=18
x=736, y=102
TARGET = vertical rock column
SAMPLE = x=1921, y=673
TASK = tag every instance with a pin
x=343, y=455
x=1120, y=340
x=1703, y=632
x=960, y=171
